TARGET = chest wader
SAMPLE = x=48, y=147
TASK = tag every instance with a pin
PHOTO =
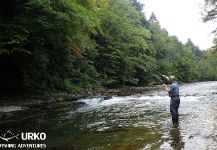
x=174, y=106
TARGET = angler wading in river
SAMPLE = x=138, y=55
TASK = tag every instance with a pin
x=173, y=91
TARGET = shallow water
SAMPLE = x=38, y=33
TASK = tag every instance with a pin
x=136, y=122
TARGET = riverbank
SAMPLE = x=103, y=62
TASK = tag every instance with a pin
x=12, y=106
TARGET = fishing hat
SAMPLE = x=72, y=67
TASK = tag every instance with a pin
x=172, y=78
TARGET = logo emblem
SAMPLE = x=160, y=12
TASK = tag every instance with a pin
x=8, y=136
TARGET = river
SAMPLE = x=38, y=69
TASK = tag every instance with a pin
x=136, y=122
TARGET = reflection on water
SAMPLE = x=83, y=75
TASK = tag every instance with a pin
x=176, y=139
x=138, y=122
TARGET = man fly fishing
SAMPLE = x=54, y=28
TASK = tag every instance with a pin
x=173, y=91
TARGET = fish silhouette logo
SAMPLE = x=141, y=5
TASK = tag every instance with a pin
x=8, y=136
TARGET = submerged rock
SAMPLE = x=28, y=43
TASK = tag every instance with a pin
x=107, y=97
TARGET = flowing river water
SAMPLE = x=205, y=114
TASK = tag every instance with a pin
x=136, y=122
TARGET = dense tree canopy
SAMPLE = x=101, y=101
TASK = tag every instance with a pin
x=87, y=44
x=207, y=66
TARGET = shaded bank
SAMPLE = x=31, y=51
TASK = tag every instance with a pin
x=19, y=104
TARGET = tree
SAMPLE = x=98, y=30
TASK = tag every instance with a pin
x=153, y=18
x=123, y=44
x=210, y=10
x=39, y=41
x=82, y=45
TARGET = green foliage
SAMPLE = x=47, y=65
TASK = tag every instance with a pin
x=124, y=44
x=82, y=45
x=172, y=56
x=45, y=37
x=207, y=66
x=210, y=10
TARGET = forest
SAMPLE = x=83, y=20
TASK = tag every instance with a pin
x=87, y=45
